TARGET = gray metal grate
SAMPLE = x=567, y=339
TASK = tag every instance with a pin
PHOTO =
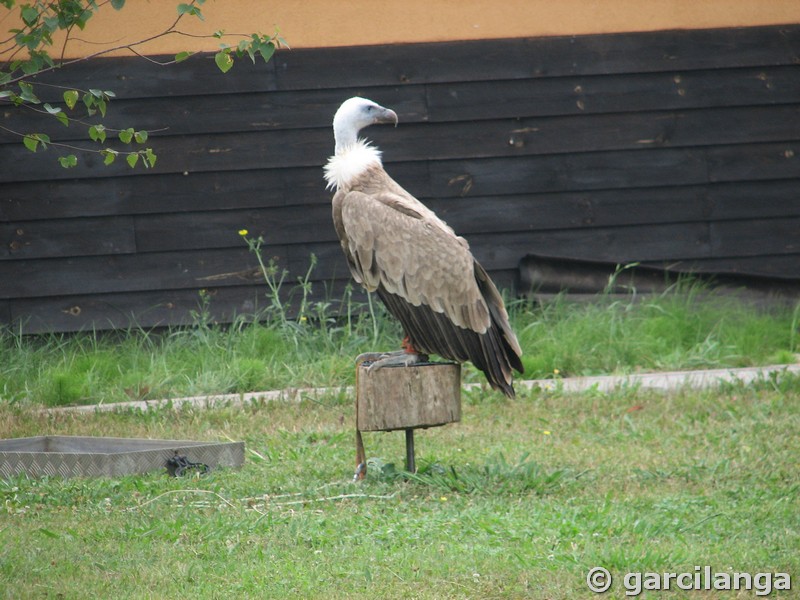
x=75, y=456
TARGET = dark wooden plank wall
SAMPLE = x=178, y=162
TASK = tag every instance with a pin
x=671, y=147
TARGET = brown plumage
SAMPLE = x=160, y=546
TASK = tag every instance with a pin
x=422, y=271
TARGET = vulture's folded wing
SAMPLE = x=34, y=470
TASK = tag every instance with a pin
x=412, y=255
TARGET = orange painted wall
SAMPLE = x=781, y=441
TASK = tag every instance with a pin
x=319, y=23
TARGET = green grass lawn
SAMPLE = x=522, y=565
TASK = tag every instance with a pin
x=519, y=500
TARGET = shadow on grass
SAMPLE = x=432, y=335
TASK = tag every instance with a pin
x=497, y=476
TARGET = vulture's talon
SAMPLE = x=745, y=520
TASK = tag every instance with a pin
x=401, y=358
x=370, y=357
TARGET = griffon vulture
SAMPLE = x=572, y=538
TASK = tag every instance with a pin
x=422, y=271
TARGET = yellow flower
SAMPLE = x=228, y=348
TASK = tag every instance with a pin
x=546, y=432
x=556, y=371
x=243, y=232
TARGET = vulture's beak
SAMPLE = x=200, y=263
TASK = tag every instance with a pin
x=386, y=115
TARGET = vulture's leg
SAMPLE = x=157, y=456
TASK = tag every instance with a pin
x=401, y=358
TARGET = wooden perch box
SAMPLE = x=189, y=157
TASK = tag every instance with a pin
x=425, y=395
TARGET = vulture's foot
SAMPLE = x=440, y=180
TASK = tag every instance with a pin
x=401, y=358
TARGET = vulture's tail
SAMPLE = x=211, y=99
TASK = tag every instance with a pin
x=495, y=352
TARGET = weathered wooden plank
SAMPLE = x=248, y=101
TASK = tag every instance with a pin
x=656, y=167
x=784, y=266
x=68, y=237
x=593, y=133
x=611, y=244
x=744, y=200
x=755, y=162
x=601, y=208
x=754, y=237
x=139, y=309
x=629, y=92
x=219, y=229
x=134, y=77
x=539, y=57
x=167, y=307
x=130, y=272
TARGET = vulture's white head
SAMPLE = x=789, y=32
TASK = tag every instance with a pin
x=354, y=115
x=353, y=157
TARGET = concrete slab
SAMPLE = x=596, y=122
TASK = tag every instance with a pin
x=665, y=381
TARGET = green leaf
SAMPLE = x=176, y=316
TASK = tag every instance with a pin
x=182, y=56
x=224, y=61
x=51, y=23
x=26, y=93
x=132, y=159
x=68, y=161
x=97, y=133
x=31, y=142
x=34, y=65
x=108, y=156
x=48, y=533
x=117, y=4
x=101, y=105
x=150, y=157
x=29, y=15
x=188, y=9
x=126, y=135
x=140, y=136
x=53, y=110
x=63, y=119
x=267, y=50
x=71, y=98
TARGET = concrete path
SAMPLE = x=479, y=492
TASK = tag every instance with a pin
x=665, y=381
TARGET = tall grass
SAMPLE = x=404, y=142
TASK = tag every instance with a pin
x=687, y=326
x=297, y=341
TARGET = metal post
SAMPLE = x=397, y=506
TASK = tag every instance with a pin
x=411, y=465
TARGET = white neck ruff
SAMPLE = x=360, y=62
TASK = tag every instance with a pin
x=349, y=164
